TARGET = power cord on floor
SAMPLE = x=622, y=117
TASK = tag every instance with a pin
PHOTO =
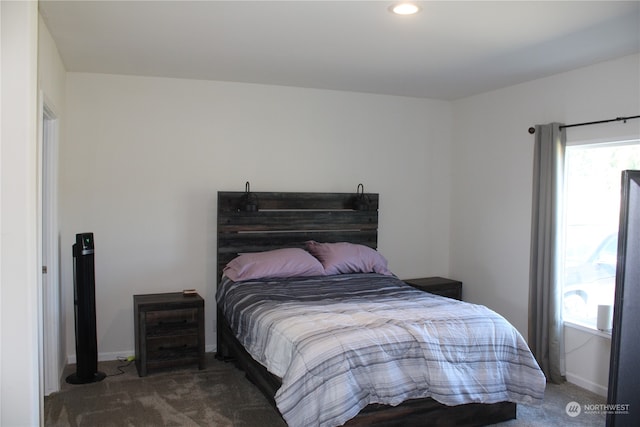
x=127, y=362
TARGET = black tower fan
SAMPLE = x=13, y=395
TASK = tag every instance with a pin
x=84, y=285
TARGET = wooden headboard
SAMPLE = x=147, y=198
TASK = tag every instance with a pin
x=287, y=220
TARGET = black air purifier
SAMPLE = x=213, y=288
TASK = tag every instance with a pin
x=84, y=285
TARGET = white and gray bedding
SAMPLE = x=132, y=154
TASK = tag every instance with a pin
x=341, y=342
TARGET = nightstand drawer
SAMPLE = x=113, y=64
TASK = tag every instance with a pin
x=172, y=347
x=169, y=322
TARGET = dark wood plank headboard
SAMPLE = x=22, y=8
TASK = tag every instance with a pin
x=287, y=220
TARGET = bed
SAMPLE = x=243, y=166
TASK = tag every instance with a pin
x=324, y=387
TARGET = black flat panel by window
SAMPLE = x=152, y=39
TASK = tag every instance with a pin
x=624, y=370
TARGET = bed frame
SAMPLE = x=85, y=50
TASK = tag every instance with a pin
x=289, y=220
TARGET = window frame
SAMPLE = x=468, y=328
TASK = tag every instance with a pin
x=572, y=145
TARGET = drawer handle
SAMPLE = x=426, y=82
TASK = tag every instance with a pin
x=178, y=347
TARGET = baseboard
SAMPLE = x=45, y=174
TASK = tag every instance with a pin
x=105, y=357
x=586, y=384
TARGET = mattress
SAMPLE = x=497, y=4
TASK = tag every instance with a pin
x=341, y=342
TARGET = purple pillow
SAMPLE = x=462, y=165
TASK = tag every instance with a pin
x=344, y=257
x=289, y=262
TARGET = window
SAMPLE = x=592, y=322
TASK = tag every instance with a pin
x=592, y=205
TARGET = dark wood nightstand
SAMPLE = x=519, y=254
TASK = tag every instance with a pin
x=438, y=285
x=169, y=330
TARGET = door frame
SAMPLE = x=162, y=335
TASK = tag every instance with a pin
x=49, y=307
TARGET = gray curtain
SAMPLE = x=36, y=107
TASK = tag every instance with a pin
x=546, y=333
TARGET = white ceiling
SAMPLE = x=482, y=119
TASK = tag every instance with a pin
x=452, y=49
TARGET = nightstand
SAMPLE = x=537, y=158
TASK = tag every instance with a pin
x=438, y=285
x=169, y=331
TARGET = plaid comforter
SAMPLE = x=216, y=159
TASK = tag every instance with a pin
x=342, y=342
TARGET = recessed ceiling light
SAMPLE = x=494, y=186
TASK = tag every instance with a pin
x=405, y=8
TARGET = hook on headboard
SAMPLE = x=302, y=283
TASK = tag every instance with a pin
x=361, y=200
x=249, y=201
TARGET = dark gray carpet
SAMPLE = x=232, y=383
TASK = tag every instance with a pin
x=216, y=396
x=221, y=396
x=553, y=411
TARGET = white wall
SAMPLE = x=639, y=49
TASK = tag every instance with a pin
x=144, y=158
x=51, y=71
x=492, y=156
x=20, y=403
x=587, y=358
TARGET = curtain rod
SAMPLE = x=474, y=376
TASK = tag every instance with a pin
x=532, y=130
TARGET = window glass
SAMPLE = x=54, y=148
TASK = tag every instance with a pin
x=592, y=205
